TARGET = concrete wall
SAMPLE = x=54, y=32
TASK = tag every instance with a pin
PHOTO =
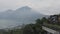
x=50, y=30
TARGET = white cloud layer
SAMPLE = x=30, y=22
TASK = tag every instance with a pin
x=48, y=5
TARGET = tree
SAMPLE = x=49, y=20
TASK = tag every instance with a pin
x=28, y=29
x=38, y=21
x=44, y=20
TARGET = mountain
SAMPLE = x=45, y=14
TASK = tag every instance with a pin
x=23, y=15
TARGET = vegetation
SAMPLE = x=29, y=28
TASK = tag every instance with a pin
x=51, y=22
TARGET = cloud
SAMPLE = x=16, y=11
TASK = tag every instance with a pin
x=48, y=7
x=32, y=3
x=35, y=4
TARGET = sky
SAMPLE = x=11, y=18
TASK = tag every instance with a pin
x=43, y=6
x=46, y=7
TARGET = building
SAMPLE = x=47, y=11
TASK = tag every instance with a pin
x=54, y=19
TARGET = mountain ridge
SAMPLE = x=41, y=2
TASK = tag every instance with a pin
x=20, y=16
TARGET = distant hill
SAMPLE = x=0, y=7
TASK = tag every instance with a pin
x=19, y=16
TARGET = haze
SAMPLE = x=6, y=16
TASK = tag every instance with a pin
x=43, y=6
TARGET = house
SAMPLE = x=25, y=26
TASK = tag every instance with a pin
x=54, y=19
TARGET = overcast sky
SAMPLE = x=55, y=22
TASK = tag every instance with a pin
x=43, y=6
x=47, y=7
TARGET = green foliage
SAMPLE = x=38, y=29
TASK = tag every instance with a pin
x=34, y=28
